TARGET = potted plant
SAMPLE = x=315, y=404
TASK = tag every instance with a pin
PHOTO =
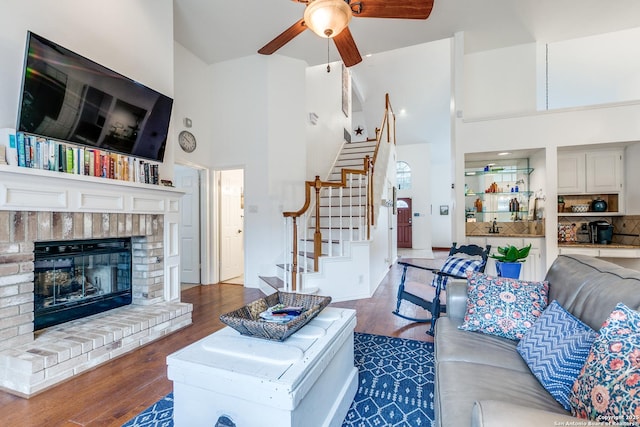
x=509, y=260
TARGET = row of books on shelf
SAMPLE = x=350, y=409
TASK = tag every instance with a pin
x=46, y=154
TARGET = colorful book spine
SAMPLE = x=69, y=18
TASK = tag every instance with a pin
x=21, y=150
x=53, y=156
x=28, y=154
x=87, y=161
x=47, y=154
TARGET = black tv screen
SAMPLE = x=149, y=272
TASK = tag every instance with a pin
x=68, y=97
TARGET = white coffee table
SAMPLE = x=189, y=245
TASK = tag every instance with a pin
x=307, y=380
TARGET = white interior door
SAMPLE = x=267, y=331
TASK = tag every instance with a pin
x=231, y=224
x=188, y=180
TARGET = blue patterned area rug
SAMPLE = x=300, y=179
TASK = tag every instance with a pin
x=395, y=386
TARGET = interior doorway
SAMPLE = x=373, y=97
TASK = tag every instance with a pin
x=231, y=226
x=188, y=180
x=405, y=235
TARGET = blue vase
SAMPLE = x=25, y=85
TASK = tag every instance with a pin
x=509, y=269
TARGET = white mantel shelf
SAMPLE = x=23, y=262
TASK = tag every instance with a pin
x=43, y=190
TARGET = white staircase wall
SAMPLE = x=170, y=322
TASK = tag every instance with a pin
x=343, y=278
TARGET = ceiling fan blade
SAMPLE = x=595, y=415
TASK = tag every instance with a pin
x=402, y=9
x=284, y=38
x=347, y=48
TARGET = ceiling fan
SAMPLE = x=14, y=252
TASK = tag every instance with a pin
x=330, y=19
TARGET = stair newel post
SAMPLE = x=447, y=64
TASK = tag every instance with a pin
x=368, y=167
x=294, y=255
x=317, y=236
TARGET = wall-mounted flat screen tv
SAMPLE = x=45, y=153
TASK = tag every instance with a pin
x=68, y=97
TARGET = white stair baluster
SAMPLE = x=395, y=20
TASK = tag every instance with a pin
x=287, y=242
x=330, y=216
x=350, y=179
x=340, y=247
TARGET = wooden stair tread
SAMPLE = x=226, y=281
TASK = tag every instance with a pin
x=273, y=281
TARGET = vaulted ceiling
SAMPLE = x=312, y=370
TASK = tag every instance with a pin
x=216, y=30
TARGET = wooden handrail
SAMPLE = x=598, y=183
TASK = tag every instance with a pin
x=317, y=184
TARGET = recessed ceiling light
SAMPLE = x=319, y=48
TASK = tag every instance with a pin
x=504, y=153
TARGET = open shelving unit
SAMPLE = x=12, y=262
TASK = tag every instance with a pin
x=490, y=192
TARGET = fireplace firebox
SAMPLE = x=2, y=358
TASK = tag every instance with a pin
x=78, y=278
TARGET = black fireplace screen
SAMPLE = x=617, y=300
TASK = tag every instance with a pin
x=74, y=279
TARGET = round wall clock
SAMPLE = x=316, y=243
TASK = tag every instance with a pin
x=187, y=141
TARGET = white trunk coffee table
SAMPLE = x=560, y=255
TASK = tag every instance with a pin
x=307, y=380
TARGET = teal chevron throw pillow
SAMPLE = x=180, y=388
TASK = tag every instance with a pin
x=556, y=348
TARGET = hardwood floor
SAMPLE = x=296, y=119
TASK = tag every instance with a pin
x=115, y=392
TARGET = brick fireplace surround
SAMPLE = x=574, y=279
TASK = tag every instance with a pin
x=31, y=362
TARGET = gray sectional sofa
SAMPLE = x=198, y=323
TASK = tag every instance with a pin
x=481, y=380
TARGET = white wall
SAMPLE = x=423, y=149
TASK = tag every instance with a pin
x=500, y=81
x=193, y=99
x=257, y=123
x=632, y=178
x=591, y=70
x=420, y=193
x=594, y=70
x=324, y=98
x=132, y=38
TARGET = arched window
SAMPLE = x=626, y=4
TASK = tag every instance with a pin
x=403, y=175
x=402, y=204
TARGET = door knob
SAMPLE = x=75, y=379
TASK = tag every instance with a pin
x=239, y=231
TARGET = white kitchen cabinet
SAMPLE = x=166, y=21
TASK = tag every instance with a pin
x=590, y=172
x=532, y=269
x=604, y=171
x=571, y=173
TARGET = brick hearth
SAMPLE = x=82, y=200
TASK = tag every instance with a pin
x=31, y=362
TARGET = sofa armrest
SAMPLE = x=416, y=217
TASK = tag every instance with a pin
x=493, y=413
x=456, y=299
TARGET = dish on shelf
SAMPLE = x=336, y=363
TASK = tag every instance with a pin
x=580, y=208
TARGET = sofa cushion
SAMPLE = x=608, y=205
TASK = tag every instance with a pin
x=555, y=348
x=493, y=413
x=460, y=384
x=452, y=344
x=589, y=288
x=608, y=386
x=457, y=266
x=502, y=306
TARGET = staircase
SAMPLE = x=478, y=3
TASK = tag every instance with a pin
x=327, y=242
x=342, y=215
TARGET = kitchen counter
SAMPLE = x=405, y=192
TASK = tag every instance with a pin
x=612, y=250
x=596, y=245
x=523, y=235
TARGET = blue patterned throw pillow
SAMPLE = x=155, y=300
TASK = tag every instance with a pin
x=555, y=348
x=607, y=389
x=502, y=306
x=457, y=267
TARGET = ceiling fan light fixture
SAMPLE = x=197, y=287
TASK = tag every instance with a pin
x=327, y=18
